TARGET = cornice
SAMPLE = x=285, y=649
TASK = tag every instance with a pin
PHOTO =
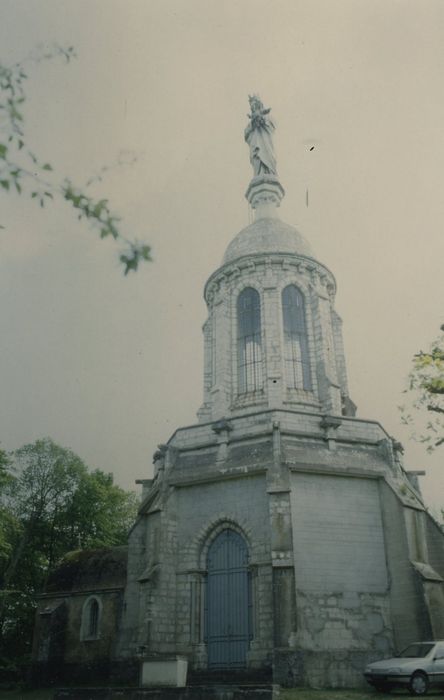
x=314, y=271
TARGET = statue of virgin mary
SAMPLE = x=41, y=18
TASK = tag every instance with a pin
x=258, y=135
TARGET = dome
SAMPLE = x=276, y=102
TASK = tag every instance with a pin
x=268, y=235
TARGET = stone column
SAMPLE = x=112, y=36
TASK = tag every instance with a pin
x=326, y=368
x=273, y=381
x=221, y=353
x=284, y=594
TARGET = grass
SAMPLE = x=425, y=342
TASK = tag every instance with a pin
x=305, y=694
x=286, y=694
x=293, y=694
x=41, y=694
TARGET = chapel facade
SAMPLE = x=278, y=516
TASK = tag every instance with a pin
x=280, y=534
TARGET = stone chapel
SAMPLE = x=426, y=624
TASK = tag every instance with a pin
x=280, y=535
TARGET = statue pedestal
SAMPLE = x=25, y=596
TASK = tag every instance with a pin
x=164, y=671
x=264, y=194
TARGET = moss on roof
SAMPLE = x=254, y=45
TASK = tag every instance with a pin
x=89, y=569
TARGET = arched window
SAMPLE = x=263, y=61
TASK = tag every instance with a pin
x=296, y=357
x=90, y=619
x=93, y=618
x=249, y=341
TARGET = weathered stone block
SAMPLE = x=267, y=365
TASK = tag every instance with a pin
x=164, y=672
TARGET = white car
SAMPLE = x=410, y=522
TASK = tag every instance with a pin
x=419, y=666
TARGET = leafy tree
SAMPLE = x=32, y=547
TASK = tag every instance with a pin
x=8, y=524
x=101, y=513
x=23, y=171
x=425, y=394
x=54, y=505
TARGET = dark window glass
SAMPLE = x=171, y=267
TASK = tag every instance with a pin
x=93, y=621
x=416, y=651
x=296, y=357
x=249, y=342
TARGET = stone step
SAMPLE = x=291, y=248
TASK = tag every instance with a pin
x=229, y=677
x=195, y=692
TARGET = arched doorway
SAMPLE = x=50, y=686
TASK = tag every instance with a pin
x=227, y=602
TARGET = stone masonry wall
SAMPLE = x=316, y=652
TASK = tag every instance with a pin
x=341, y=578
x=339, y=352
x=337, y=534
x=87, y=651
x=409, y=614
x=133, y=630
x=435, y=542
x=242, y=505
x=161, y=601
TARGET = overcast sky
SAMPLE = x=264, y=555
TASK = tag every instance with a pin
x=111, y=366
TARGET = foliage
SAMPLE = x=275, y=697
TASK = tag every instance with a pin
x=328, y=694
x=285, y=694
x=9, y=526
x=425, y=395
x=24, y=694
x=100, y=512
x=53, y=505
x=22, y=171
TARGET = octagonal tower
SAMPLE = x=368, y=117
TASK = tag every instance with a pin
x=273, y=339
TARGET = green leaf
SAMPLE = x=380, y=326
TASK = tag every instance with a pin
x=5, y=184
x=130, y=263
x=112, y=230
x=100, y=206
x=145, y=252
x=3, y=150
x=47, y=166
x=15, y=114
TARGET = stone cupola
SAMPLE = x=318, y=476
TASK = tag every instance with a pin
x=273, y=339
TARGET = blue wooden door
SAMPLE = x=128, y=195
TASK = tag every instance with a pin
x=227, y=609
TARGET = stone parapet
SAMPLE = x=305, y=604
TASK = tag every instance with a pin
x=297, y=423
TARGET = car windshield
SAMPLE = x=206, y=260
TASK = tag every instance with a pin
x=416, y=651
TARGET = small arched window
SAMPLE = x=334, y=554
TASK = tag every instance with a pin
x=296, y=357
x=93, y=618
x=90, y=619
x=249, y=341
